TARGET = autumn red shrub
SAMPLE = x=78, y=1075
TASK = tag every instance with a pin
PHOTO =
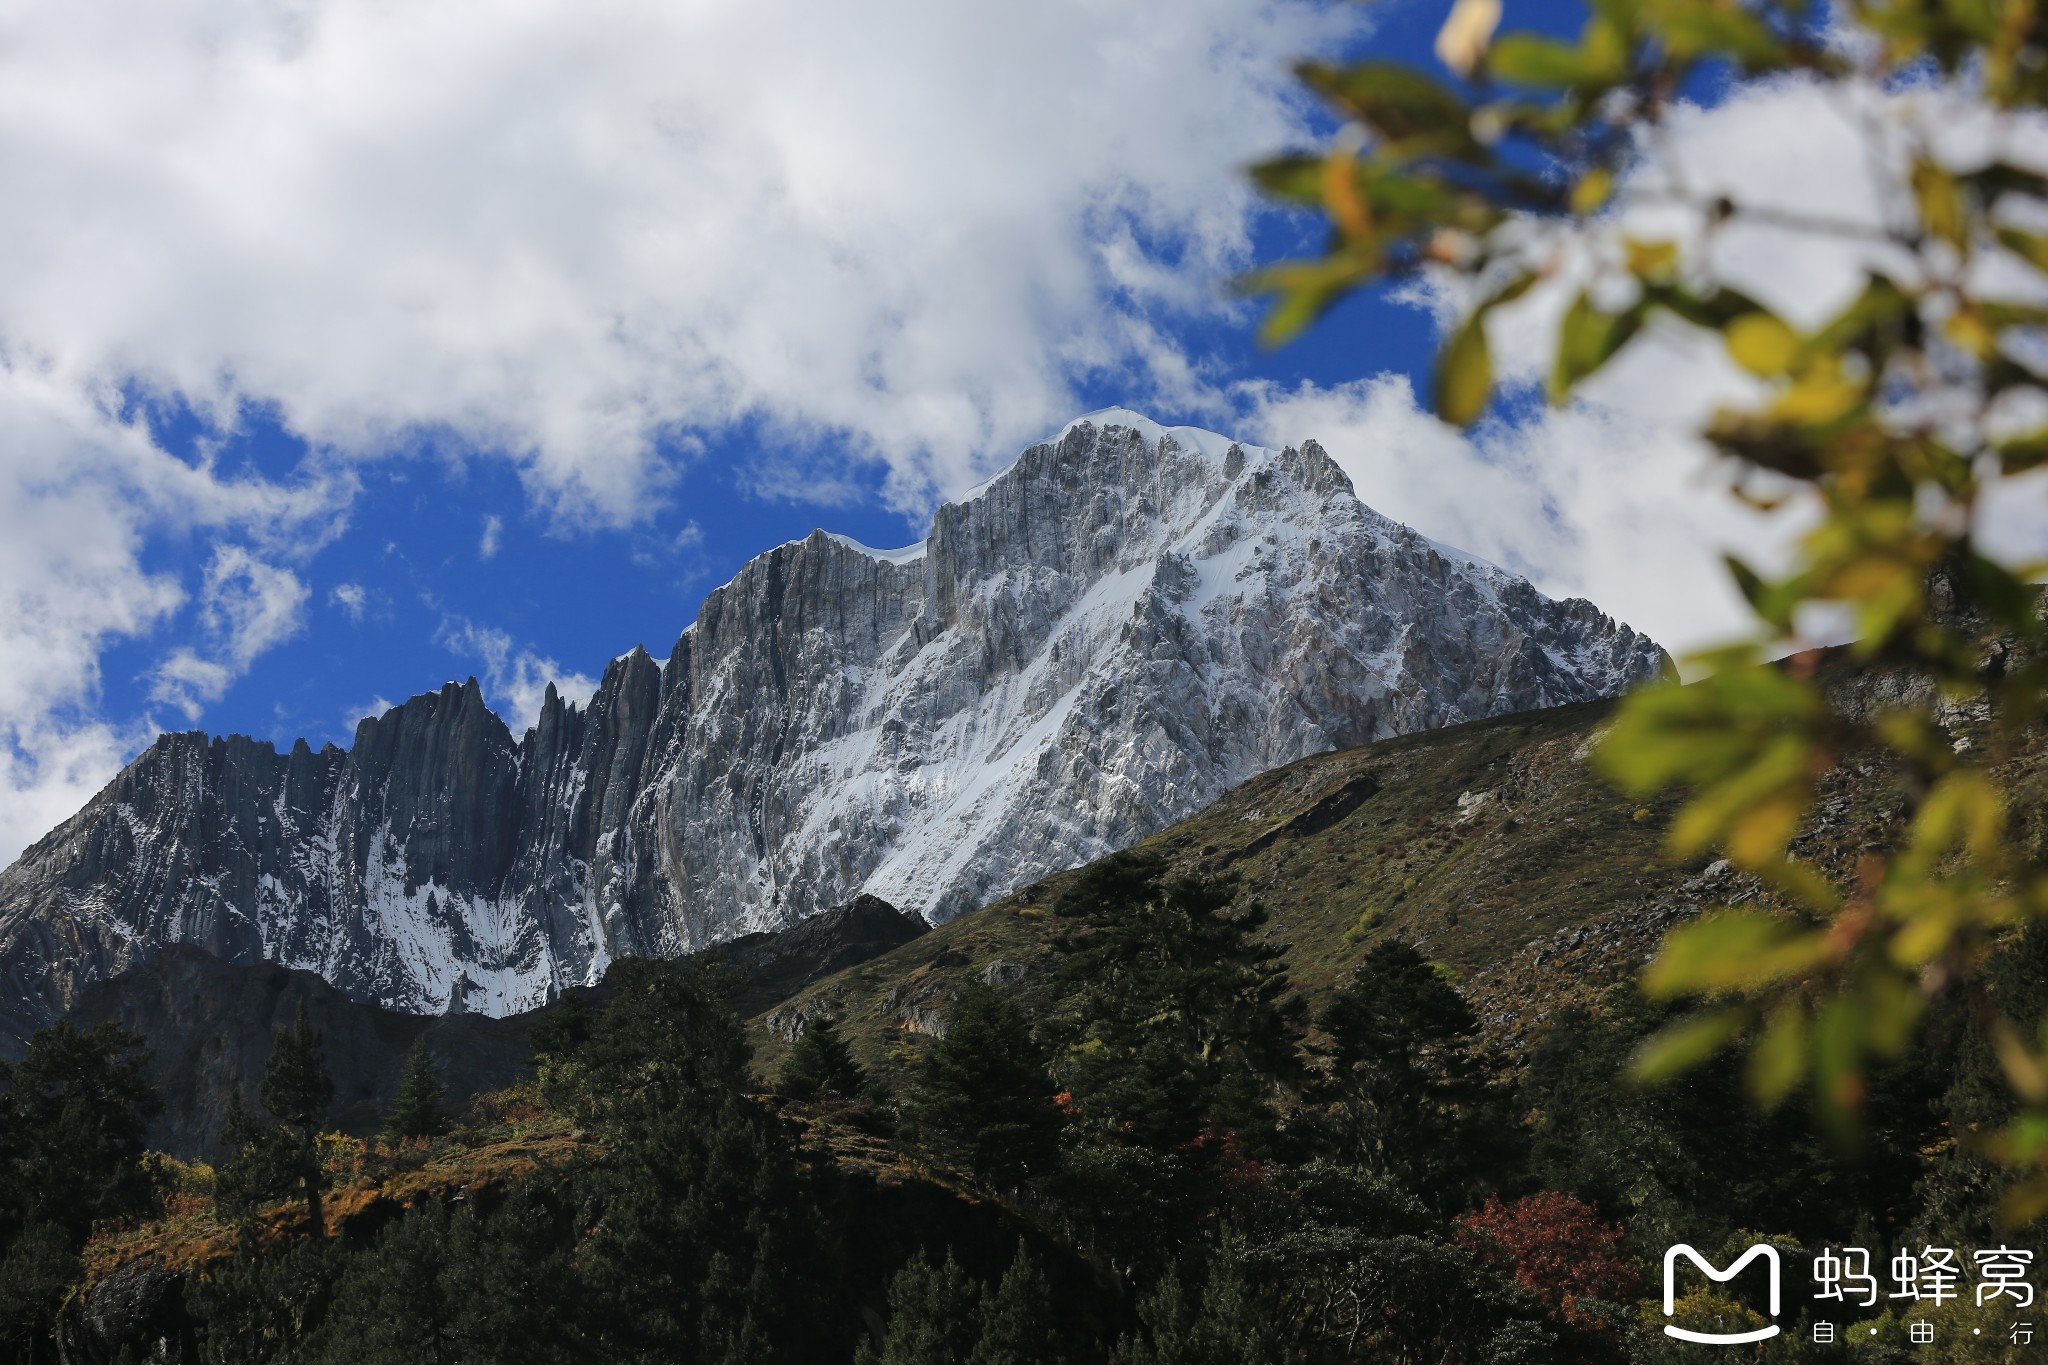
x=1555, y=1246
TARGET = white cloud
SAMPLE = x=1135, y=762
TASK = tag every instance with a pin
x=895, y=229
x=247, y=606
x=376, y=706
x=487, y=544
x=352, y=598
x=572, y=234
x=515, y=678
x=1614, y=497
x=1585, y=502
x=81, y=492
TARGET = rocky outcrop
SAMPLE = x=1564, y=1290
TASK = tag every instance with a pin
x=1105, y=637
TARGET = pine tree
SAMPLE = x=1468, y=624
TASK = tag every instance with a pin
x=72, y=1116
x=1226, y=1324
x=264, y=1301
x=934, y=1316
x=444, y=1285
x=1170, y=994
x=1400, y=1041
x=821, y=1062
x=710, y=1247
x=983, y=1097
x=296, y=1089
x=1019, y=1322
x=259, y=1164
x=416, y=1110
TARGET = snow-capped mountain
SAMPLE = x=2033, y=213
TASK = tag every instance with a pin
x=1103, y=638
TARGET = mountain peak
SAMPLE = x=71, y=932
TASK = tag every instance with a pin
x=1101, y=639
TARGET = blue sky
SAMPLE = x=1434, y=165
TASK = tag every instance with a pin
x=443, y=535
x=346, y=348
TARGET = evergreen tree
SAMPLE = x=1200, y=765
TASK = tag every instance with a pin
x=983, y=1098
x=260, y=1161
x=1019, y=1321
x=296, y=1089
x=820, y=1062
x=668, y=1038
x=416, y=1110
x=262, y=1303
x=1224, y=1325
x=934, y=1316
x=72, y=1119
x=563, y=1026
x=442, y=1286
x=708, y=1246
x=1415, y=1104
x=1174, y=1005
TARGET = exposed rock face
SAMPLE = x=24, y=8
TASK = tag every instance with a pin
x=1102, y=639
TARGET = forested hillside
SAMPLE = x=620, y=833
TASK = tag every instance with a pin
x=1333, y=1071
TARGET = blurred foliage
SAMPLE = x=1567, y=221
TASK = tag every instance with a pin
x=1892, y=423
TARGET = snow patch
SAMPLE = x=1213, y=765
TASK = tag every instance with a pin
x=909, y=554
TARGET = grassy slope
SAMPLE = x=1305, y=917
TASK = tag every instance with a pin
x=1341, y=849
x=1547, y=889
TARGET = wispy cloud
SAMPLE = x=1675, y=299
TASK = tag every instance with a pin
x=515, y=679
x=352, y=598
x=247, y=606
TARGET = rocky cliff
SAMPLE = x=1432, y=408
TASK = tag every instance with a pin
x=1105, y=637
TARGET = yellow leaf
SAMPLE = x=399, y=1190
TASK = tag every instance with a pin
x=2031, y=246
x=1346, y=205
x=1941, y=203
x=1817, y=399
x=1758, y=833
x=1464, y=373
x=1967, y=330
x=1654, y=261
x=1592, y=191
x=1761, y=344
x=2023, y=1203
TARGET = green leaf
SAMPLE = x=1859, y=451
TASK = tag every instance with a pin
x=2031, y=247
x=1395, y=100
x=1464, y=373
x=1778, y=1062
x=1587, y=339
x=1685, y=1044
x=1538, y=62
x=1700, y=28
x=1838, y=1086
x=1297, y=178
x=1773, y=603
x=1304, y=290
x=1730, y=950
